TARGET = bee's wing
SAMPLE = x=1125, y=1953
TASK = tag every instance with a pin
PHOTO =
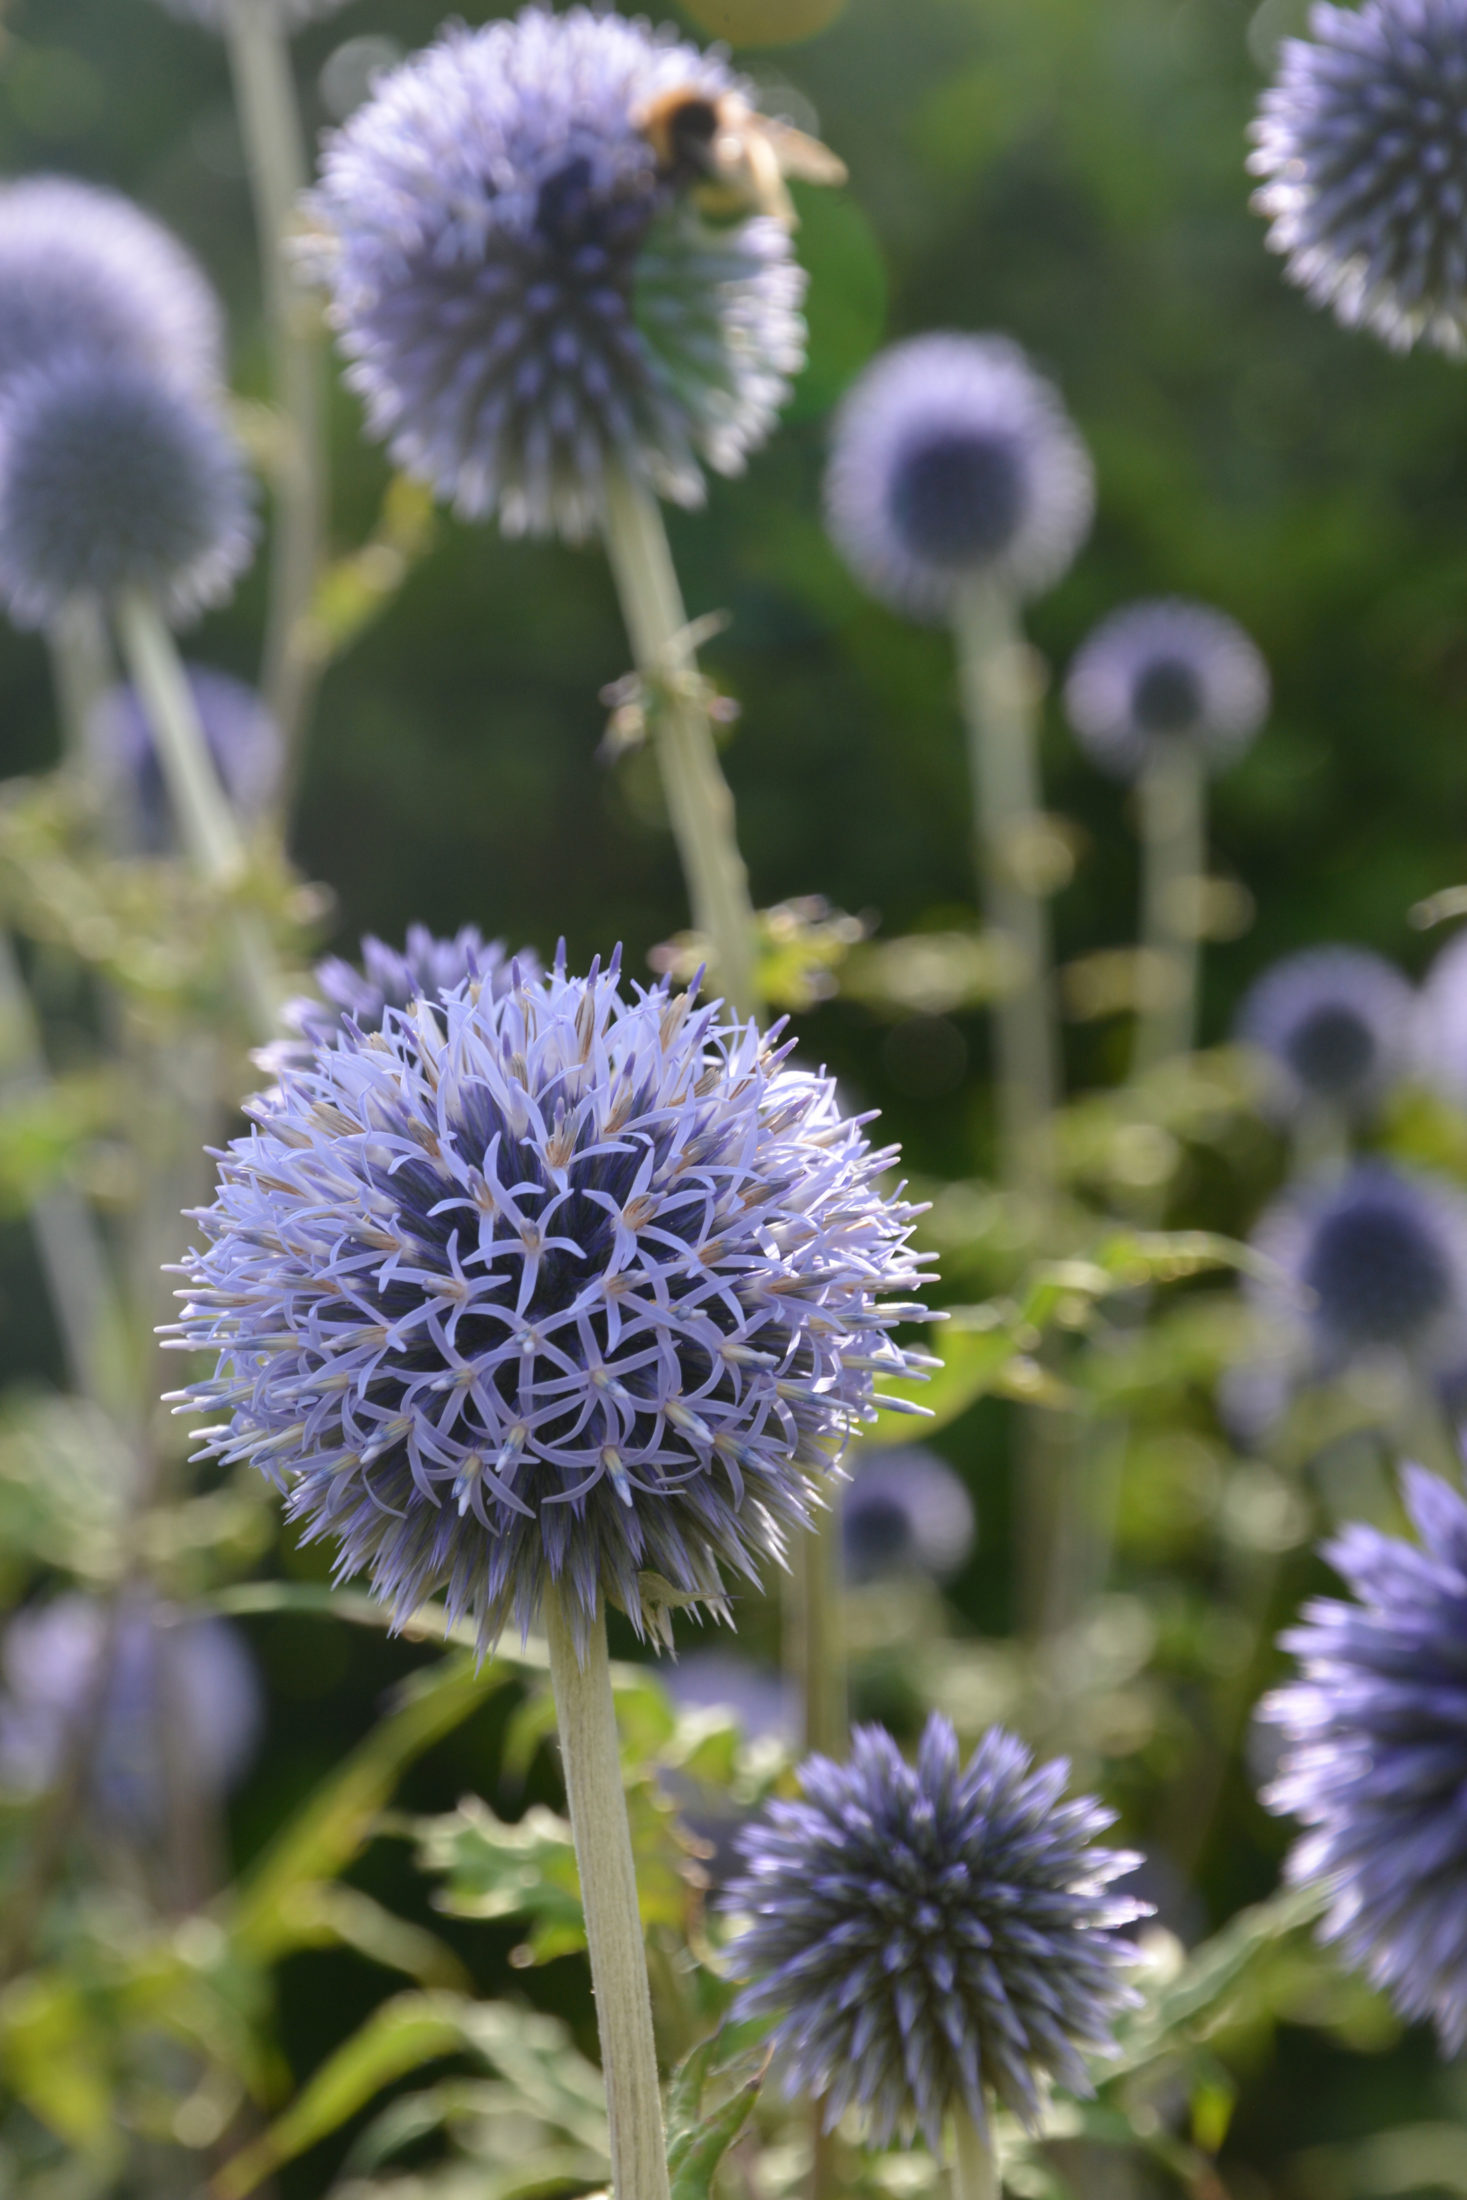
x=804, y=156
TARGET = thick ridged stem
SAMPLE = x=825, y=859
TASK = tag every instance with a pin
x=81, y=670
x=591, y=1753
x=274, y=142
x=1173, y=799
x=975, y=2173
x=699, y=803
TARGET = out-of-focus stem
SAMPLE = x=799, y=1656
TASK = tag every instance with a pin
x=1173, y=798
x=975, y=2173
x=591, y=1754
x=818, y=1635
x=81, y=667
x=270, y=124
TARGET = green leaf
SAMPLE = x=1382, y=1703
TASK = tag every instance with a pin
x=1185, y=2007
x=496, y=1870
x=697, y=2143
x=328, y=1915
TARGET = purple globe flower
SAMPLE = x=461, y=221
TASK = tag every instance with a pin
x=954, y=461
x=526, y=297
x=925, y=1934
x=1441, y=1023
x=112, y=478
x=243, y=740
x=85, y=270
x=904, y=1511
x=1158, y=673
x=1362, y=143
x=291, y=15
x=1336, y=1025
x=1374, y=1759
x=548, y=1285
x=425, y=969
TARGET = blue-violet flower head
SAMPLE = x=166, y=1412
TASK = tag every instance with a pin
x=1336, y=1025
x=1159, y=673
x=424, y=968
x=904, y=1511
x=243, y=740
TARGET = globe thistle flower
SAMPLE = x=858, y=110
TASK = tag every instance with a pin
x=1374, y=1759
x=290, y=15
x=82, y=269
x=426, y=968
x=1441, y=1024
x=548, y=1285
x=526, y=298
x=954, y=461
x=194, y=1673
x=904, y=1511
x=927, y=1933
x=1336, y=1025
x=114, y=480
x=1159, y=673
x=1362, y=144
x=242, y=738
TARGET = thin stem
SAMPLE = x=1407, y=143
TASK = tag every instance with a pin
x=699, y=803
x=270, y=124
x=975, y=2173
x=81, y=668
x=818, y=1635
x=591, y=1753
x=1173, y=796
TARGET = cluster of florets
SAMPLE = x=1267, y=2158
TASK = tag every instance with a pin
x=927, y=1934
x=1336, y=1024
x=1156, y=675
x=548, y=1283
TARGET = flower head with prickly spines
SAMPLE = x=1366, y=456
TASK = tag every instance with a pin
x=525, y=299
x=954, y=461
x=548, y=1284
x=904, y=1511
x=1375, y=1755
x=426, y=968
x=242, y=737
x=1160, y=673
x=1362, y=144
x=1336, y=1026
x=929, y=1934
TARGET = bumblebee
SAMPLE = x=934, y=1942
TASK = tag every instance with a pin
x=732, y=159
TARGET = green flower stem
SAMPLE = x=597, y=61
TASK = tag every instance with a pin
x=818, y=1637
x=975, y=2173
x=206, y=823
x=591, y=1753
x=1173, y=797
x=698, y=799
x=81, y=668
x=270, y=124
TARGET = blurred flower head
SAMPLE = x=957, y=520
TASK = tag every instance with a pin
x=1374, y=1759
x=243, y=740
x=1336, y=1025
x=1441, y=1023
x=1362, y=144
x=904, y=1511
x=173, y=1681
x=1159, y=673
x=290, y=15
x=114, y=479
x=954, y=461
x=526, y=298
x=926, y=1933
x=548, y=1284
x=83, y=269
x=425, y=968
x=763, y=1703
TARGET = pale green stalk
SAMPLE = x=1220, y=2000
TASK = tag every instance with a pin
x=1173, y=798
x=975, y=2173
x=591, y=1754
x=818, y=1637
x=81, y=669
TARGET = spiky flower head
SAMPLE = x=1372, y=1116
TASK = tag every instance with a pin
x=1336, y=1026
x=526, y=297
x=548, y=1284
x=954, y=461
x=927, y=1934
x=1160, y=673
x=112, y=479
x=242, y=737
x=1362, y=143
x=289, y=15
x=904, y=1511
x=82, y=269
x=424, y=968
x=1375, y=1755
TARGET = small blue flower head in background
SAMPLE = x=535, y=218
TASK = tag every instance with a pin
x=114, y=479
x=1441, y=1023
x=1164, y=672
x=526, y=298
x=953, y=462
x=1374, y=1759
x=82, y=269
x=904, y=1511
x=1336, y=1024
x=548, y=1283
x=244, y=742
x=425, y=968
x=173, y=1678
x=1362, y=144
x=290, y=15
x=928, y=1934
x=764, y=1704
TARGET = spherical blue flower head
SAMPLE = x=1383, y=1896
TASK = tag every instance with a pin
x=550, y=1284
x=291, y=15
x=1336, y=1025
x=85, y=270
x=927, y=1932
x=524, y=299
x=1375, y=1756
x=242, y=737
x=904, y=1511
x=112, y=478
x=171, y=1677
x=954, y=461
x=1363, y=145
x=1441, y=1023
x=1159, y=673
